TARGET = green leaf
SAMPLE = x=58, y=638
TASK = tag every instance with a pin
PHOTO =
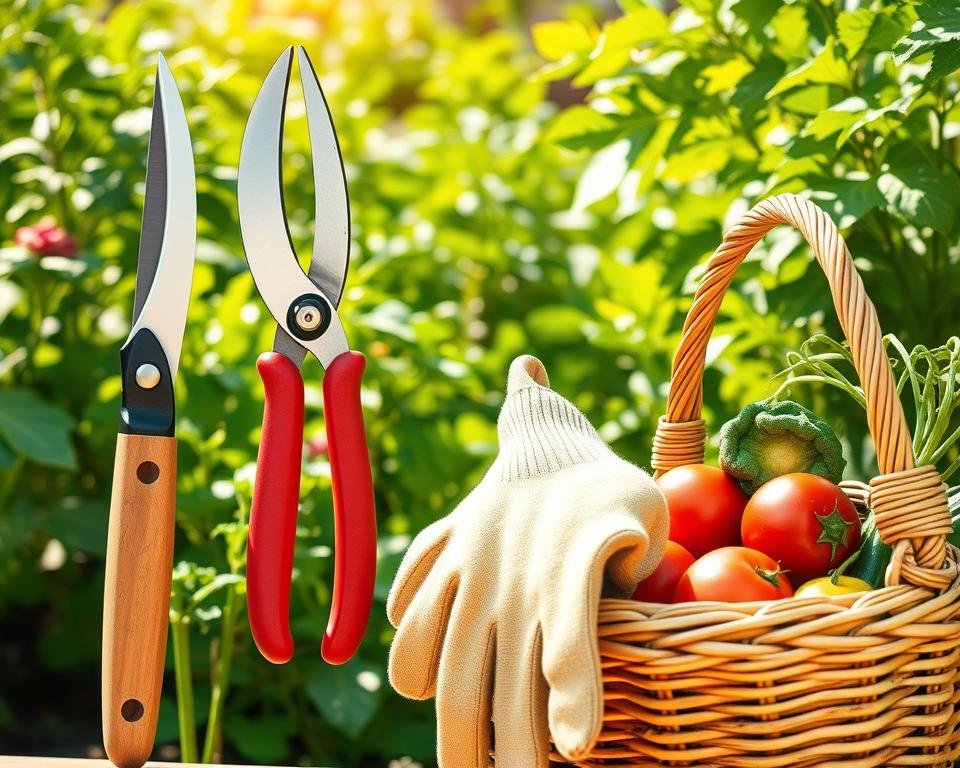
x=167, y=725
x=944, y=15
x=750, y=93
x=346, y=695
x=722, y=77
x=555, y=39
x=791, y=30
x=36, y=430
x=865, y=30
x=853, y=29
x=81, y=524
x=390, y=317
x=945, y=61
x=6, y=457
x=603, y=173
x=643, y=24
x=702, y=158
x=559, y=69
x=703, y=8
x=619, y=37
x=557, y=324
x=922, y=195
x=889, y=25
x=847, y=200
x=756, y=13
x=17, y=523
x=884, y=118
x=938, y=23
x=809, y=100
x=837, y=118
x=581, y=127
x=826, y=68
x=220, y=581
x=263, y=739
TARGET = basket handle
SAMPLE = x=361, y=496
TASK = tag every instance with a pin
x=910, y=503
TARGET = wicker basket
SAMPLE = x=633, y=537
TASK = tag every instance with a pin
x=854, y=681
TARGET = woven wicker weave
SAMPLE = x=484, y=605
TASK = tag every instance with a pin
x=853, y=681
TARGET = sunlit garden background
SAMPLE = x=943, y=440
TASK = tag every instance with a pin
x=524, y=177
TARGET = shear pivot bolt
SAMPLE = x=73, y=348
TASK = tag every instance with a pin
x=308, y=317
x=148, y=376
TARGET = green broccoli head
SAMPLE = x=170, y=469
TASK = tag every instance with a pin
x=773, y=438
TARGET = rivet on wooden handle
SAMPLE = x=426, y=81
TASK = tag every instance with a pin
x=137, y=594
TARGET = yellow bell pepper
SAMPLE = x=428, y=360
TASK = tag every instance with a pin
x=825, y=587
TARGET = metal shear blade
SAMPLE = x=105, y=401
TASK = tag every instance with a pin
x=263, y=220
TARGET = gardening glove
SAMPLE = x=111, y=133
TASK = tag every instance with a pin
x=496, y=604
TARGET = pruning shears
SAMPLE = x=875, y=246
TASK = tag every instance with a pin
x=305, y=308
x=143, y=500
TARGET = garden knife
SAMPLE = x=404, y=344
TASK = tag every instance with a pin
x=140, y=540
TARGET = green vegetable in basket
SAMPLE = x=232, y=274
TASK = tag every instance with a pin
x=928, y=382
x=871, y=560
x=773, y=438
x=873, y=557
x=953, y=502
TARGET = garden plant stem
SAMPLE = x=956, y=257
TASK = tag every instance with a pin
x=186, y=719
x=221, y=677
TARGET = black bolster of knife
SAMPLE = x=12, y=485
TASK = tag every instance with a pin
x=145, y=411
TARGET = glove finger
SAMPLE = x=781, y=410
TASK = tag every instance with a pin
x=464, y=691
x=520, y=703
x=416, y=566
x=571, y=654
x=415, y=651
x=629, y=563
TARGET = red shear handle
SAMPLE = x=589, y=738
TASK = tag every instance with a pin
x=355, y=523
x=273, y=513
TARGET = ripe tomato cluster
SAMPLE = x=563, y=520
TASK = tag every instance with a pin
x=730, y=547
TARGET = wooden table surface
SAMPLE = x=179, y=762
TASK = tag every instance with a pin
x=58, y=762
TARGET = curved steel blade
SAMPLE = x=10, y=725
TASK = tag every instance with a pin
x=263, y=221
x=169, y=229
x=154, y=205
x=331, y=238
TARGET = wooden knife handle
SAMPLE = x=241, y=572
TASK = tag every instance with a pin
x=136, y=597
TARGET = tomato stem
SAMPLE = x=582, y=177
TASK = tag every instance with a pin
x=833, y=530
x=837, y=572
x=770, y=574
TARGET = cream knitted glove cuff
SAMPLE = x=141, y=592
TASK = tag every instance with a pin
x=541, y=432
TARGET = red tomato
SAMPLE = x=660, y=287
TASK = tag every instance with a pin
x=658, y=586
x=733, y=575
x=804, y=522
x=705, y=506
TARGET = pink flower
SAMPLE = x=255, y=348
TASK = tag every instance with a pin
x=317, y=446
x=46, y=239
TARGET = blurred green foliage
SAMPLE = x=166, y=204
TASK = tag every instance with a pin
x=487, y=221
